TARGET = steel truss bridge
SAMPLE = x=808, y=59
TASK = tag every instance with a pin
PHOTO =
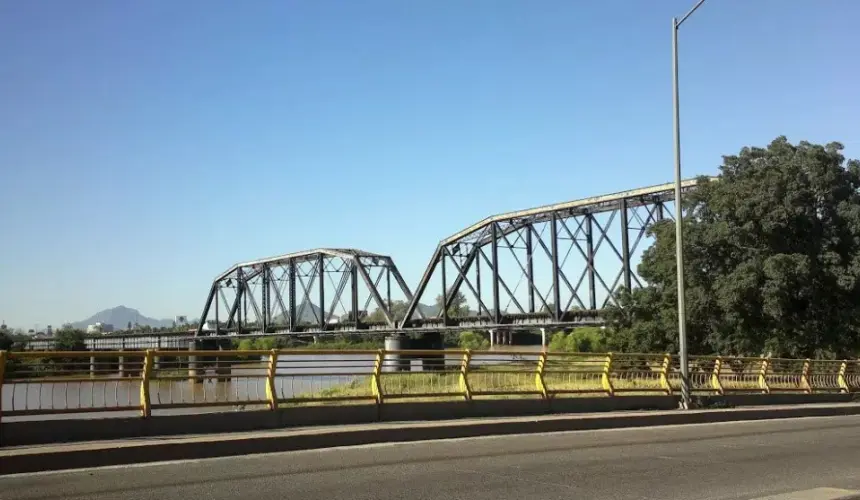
x=555, y=265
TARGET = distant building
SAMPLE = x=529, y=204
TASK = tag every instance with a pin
x=49, y=331
x=100, y=328
x=209, y=325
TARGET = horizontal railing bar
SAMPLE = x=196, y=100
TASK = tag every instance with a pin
x=66, y=411
x=208, y=404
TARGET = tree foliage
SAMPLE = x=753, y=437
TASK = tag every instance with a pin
x=70, y=340
x=398, y=312
x=458, y=308
x=5, y=341
x=772, y=260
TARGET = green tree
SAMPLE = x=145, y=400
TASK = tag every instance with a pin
x=5, y=341
x=69, y=340
x=472, y=340
x=398, y=312
x=772, y=260
x=458, y=307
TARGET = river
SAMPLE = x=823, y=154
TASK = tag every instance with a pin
x=299, y=376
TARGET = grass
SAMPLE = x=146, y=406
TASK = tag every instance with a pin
x=511, y=380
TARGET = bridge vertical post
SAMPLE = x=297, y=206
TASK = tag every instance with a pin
x=478, y=281
x=660, y=215
x=494, y=252
x=388, y=287
x=217, y=320
x=556, y=292
x=664, y=374
x=589, y=254
x=465, y=388
x=716, y=380
x=625, y=244
x=265, y=298
x=762, y=376
x=444, y=312
x=353, y=278
x=321, y=270
x=375, y=381
x=271, y=372
x=146, y=374
x=842, y=379
x=530, y=273
x=3, y=357
x=804, y=376
x=240, y=288
x=292, y=292
x=539, y=376
x=605, y=377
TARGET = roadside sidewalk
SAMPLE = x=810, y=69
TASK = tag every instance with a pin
x=155, y=449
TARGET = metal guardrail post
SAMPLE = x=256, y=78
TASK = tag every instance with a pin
x=271, y=392
x=604, y=378
x=539, y=380
x=2, y=375
x=804, y=377
x=375, y=383
x=843, y=372
x=464, y=375
x=146, y=374
x=664, y=374
x=716, y=383
x=762, y=376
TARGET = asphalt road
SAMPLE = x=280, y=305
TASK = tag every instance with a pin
x=743, y=460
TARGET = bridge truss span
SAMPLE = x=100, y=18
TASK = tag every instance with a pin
x=553, y=264
x=322, y=290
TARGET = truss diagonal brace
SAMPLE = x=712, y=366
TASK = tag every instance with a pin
x=373, y=291
x=461, y=272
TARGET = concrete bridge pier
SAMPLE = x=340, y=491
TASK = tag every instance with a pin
x=192, y=364
x=121, y=365
x=92, y=366
x=223, y=366
x=543, y=337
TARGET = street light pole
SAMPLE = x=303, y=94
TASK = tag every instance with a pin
x=679, y=218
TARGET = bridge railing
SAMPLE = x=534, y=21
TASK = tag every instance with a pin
x=46, y=383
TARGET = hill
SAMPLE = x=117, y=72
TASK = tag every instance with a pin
x=120, y=316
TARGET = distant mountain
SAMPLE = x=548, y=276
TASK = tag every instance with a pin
x=120, y=316
x=310, y=314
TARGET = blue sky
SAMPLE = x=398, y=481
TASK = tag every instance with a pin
x=147, y=146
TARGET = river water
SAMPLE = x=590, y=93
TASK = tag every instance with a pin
x=299, y=376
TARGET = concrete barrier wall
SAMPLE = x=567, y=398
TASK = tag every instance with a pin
x=94, y=429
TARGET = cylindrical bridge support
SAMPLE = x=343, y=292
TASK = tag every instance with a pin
x=193, y=364
x=121, y=367
x=396, y=362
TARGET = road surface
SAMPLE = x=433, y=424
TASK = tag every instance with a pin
x=743, y=460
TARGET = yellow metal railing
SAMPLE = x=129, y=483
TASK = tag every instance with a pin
x=43, y=383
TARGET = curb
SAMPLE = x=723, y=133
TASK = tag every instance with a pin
x=40, y=459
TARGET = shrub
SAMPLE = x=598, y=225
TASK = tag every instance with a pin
x=473, y=340
x=586, y=339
